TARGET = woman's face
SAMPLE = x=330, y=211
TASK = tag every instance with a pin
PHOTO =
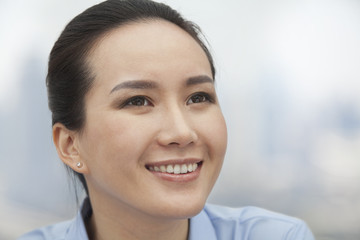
x=154, y=138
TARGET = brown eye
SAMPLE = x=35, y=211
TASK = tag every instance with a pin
x=137, y=101
x=199, y=98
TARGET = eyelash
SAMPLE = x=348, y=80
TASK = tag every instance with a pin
x=204, y=97
x=131, y=101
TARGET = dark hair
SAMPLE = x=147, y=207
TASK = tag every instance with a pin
x=69, y=78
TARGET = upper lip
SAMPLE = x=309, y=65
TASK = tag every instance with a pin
x=174, y=161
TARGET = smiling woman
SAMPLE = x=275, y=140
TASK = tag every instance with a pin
x=136, y=118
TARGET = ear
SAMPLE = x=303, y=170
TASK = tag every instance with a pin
x=66, y=143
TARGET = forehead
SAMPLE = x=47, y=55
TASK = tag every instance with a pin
x=150, y=31
x=145, y=42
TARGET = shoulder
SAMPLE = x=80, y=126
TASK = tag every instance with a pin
x=256, y=223
x=56, y=231
x=245, y=214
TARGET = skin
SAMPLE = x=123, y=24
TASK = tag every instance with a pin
x=172, y=119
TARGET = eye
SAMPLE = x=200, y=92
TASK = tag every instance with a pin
x=199, y=98
x=137, y=101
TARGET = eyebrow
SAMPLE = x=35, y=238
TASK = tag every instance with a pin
x=147, y=84
x=135, y=84
x=198, y=80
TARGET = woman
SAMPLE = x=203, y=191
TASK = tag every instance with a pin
x=136, y=118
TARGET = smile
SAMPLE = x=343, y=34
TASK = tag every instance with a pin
x=179, y=171
x=175, y=168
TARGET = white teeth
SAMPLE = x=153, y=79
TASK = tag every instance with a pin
x=169, y=169
x=184, y=168
x=190, y=167
x=175, y=169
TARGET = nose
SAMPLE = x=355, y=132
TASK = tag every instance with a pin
x=176, y=128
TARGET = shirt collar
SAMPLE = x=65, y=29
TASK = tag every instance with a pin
x=77, y=229
x=200, y=225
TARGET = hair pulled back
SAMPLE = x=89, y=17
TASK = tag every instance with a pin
x=69, y=78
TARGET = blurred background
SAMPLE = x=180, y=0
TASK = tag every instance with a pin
x=288, y=81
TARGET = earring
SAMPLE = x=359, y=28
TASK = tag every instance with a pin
x=79, y=164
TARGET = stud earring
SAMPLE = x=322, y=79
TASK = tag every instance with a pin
x=79, y=164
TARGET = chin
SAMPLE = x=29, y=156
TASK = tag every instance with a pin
x=185, y=209
x=184, y=204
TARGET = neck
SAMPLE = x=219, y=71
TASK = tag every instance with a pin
x=118, y=223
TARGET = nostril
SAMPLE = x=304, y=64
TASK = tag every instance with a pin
x=180, y=144
x=176, y=136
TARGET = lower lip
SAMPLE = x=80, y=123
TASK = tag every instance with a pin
x=184, y=177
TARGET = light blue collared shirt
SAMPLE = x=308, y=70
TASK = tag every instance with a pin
x=212, y=223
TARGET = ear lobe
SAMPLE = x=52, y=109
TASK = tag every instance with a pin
x=65, y=141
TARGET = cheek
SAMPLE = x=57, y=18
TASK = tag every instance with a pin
x=214, y=134
x=213, y=130
x=114, y=153
x=108, y=140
